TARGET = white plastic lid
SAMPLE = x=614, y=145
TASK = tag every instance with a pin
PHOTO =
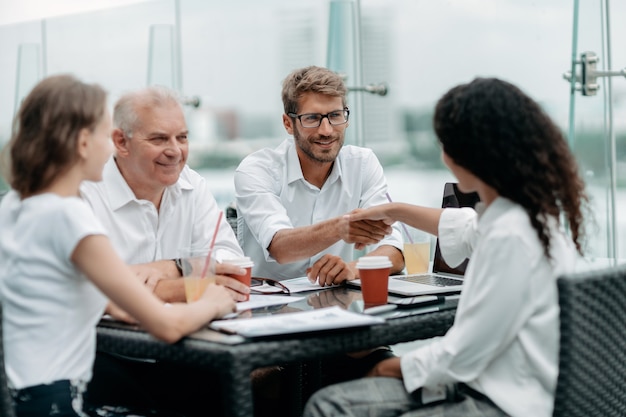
x=373, y=262
x=243, y=261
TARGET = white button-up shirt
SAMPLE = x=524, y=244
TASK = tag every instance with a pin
x=272, y=195
x=504, y=341
x=187, y=218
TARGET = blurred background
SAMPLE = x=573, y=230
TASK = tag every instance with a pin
x=228, y=59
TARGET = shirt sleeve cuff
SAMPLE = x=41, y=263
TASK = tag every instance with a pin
x=411, y=375
x=452, y=228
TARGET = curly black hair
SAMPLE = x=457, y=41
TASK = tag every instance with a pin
x=498, y=133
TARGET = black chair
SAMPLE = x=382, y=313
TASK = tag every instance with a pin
x=235, y=221
x=592, y=356
x=231, y=216
x=6, y=404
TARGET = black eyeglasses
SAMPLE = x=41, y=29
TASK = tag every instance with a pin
x=268, y=286
x=335, y=118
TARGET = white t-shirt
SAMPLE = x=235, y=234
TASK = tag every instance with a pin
x=50, y=310
x=272, y=195
x=504, y=341
x=140, y=234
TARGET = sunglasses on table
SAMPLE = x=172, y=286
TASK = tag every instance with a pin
x=268, y=286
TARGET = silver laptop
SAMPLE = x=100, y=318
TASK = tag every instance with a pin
x=443, y=278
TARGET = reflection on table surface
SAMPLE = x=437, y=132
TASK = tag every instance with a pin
x=343, y=297
x=347, y=298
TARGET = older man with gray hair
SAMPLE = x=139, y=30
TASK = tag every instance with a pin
x=152, y=205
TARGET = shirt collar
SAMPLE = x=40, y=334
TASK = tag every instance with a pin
x=294, y=170
x=119, y=192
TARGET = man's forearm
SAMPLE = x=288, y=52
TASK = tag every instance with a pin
x=290, y=245
x=167, y=267
x=171, y=290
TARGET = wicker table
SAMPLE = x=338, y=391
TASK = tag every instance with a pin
x=233, y=358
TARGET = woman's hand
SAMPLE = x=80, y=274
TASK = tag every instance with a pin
x=374, y=215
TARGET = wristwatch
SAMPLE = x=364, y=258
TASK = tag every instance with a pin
x=179, y=265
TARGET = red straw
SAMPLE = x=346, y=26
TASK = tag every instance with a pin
x=208, y=257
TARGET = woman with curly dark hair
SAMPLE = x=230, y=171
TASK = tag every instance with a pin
x=500, y=357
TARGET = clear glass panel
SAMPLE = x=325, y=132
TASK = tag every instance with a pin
x=591, y=132
x=343, y=56
x=235, y=54
x=28, y=70
x=618, y=61
x=110, y=46
x=161, y=57
x=11, y=39
x=342, y=43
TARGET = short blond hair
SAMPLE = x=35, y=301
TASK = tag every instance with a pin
x=311, y=79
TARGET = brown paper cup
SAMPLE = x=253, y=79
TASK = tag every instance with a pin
x=245, y=263
x=374, y=274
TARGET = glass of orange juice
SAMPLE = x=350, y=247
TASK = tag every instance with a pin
x=197, y=273
x=416, y=250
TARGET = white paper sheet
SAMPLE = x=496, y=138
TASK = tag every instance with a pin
x=298, y=322
x=295, y=285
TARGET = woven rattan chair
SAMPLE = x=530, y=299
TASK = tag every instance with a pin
x=6, y=405
x=592, y=357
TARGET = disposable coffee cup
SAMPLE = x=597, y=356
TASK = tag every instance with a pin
x=374, y=274
x=243, y=262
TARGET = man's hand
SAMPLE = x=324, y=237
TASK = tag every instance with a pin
x=363, y=232
x=149, y=274
x=237, y=290
x=388, y=367
x=330, y=270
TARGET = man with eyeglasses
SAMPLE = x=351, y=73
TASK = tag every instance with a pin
x=292, y=199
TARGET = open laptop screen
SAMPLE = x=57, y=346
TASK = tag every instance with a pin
x=452, y=197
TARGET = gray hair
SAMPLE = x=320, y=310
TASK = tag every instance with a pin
x=125, y=113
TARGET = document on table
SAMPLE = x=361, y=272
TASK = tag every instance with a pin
x=299, y=322
x=295, y=285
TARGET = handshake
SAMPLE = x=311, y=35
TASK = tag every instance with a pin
x=366, y=226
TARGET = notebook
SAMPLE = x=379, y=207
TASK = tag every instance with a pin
x=443, y=278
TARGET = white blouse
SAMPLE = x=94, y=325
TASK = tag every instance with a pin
x=504, y=341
